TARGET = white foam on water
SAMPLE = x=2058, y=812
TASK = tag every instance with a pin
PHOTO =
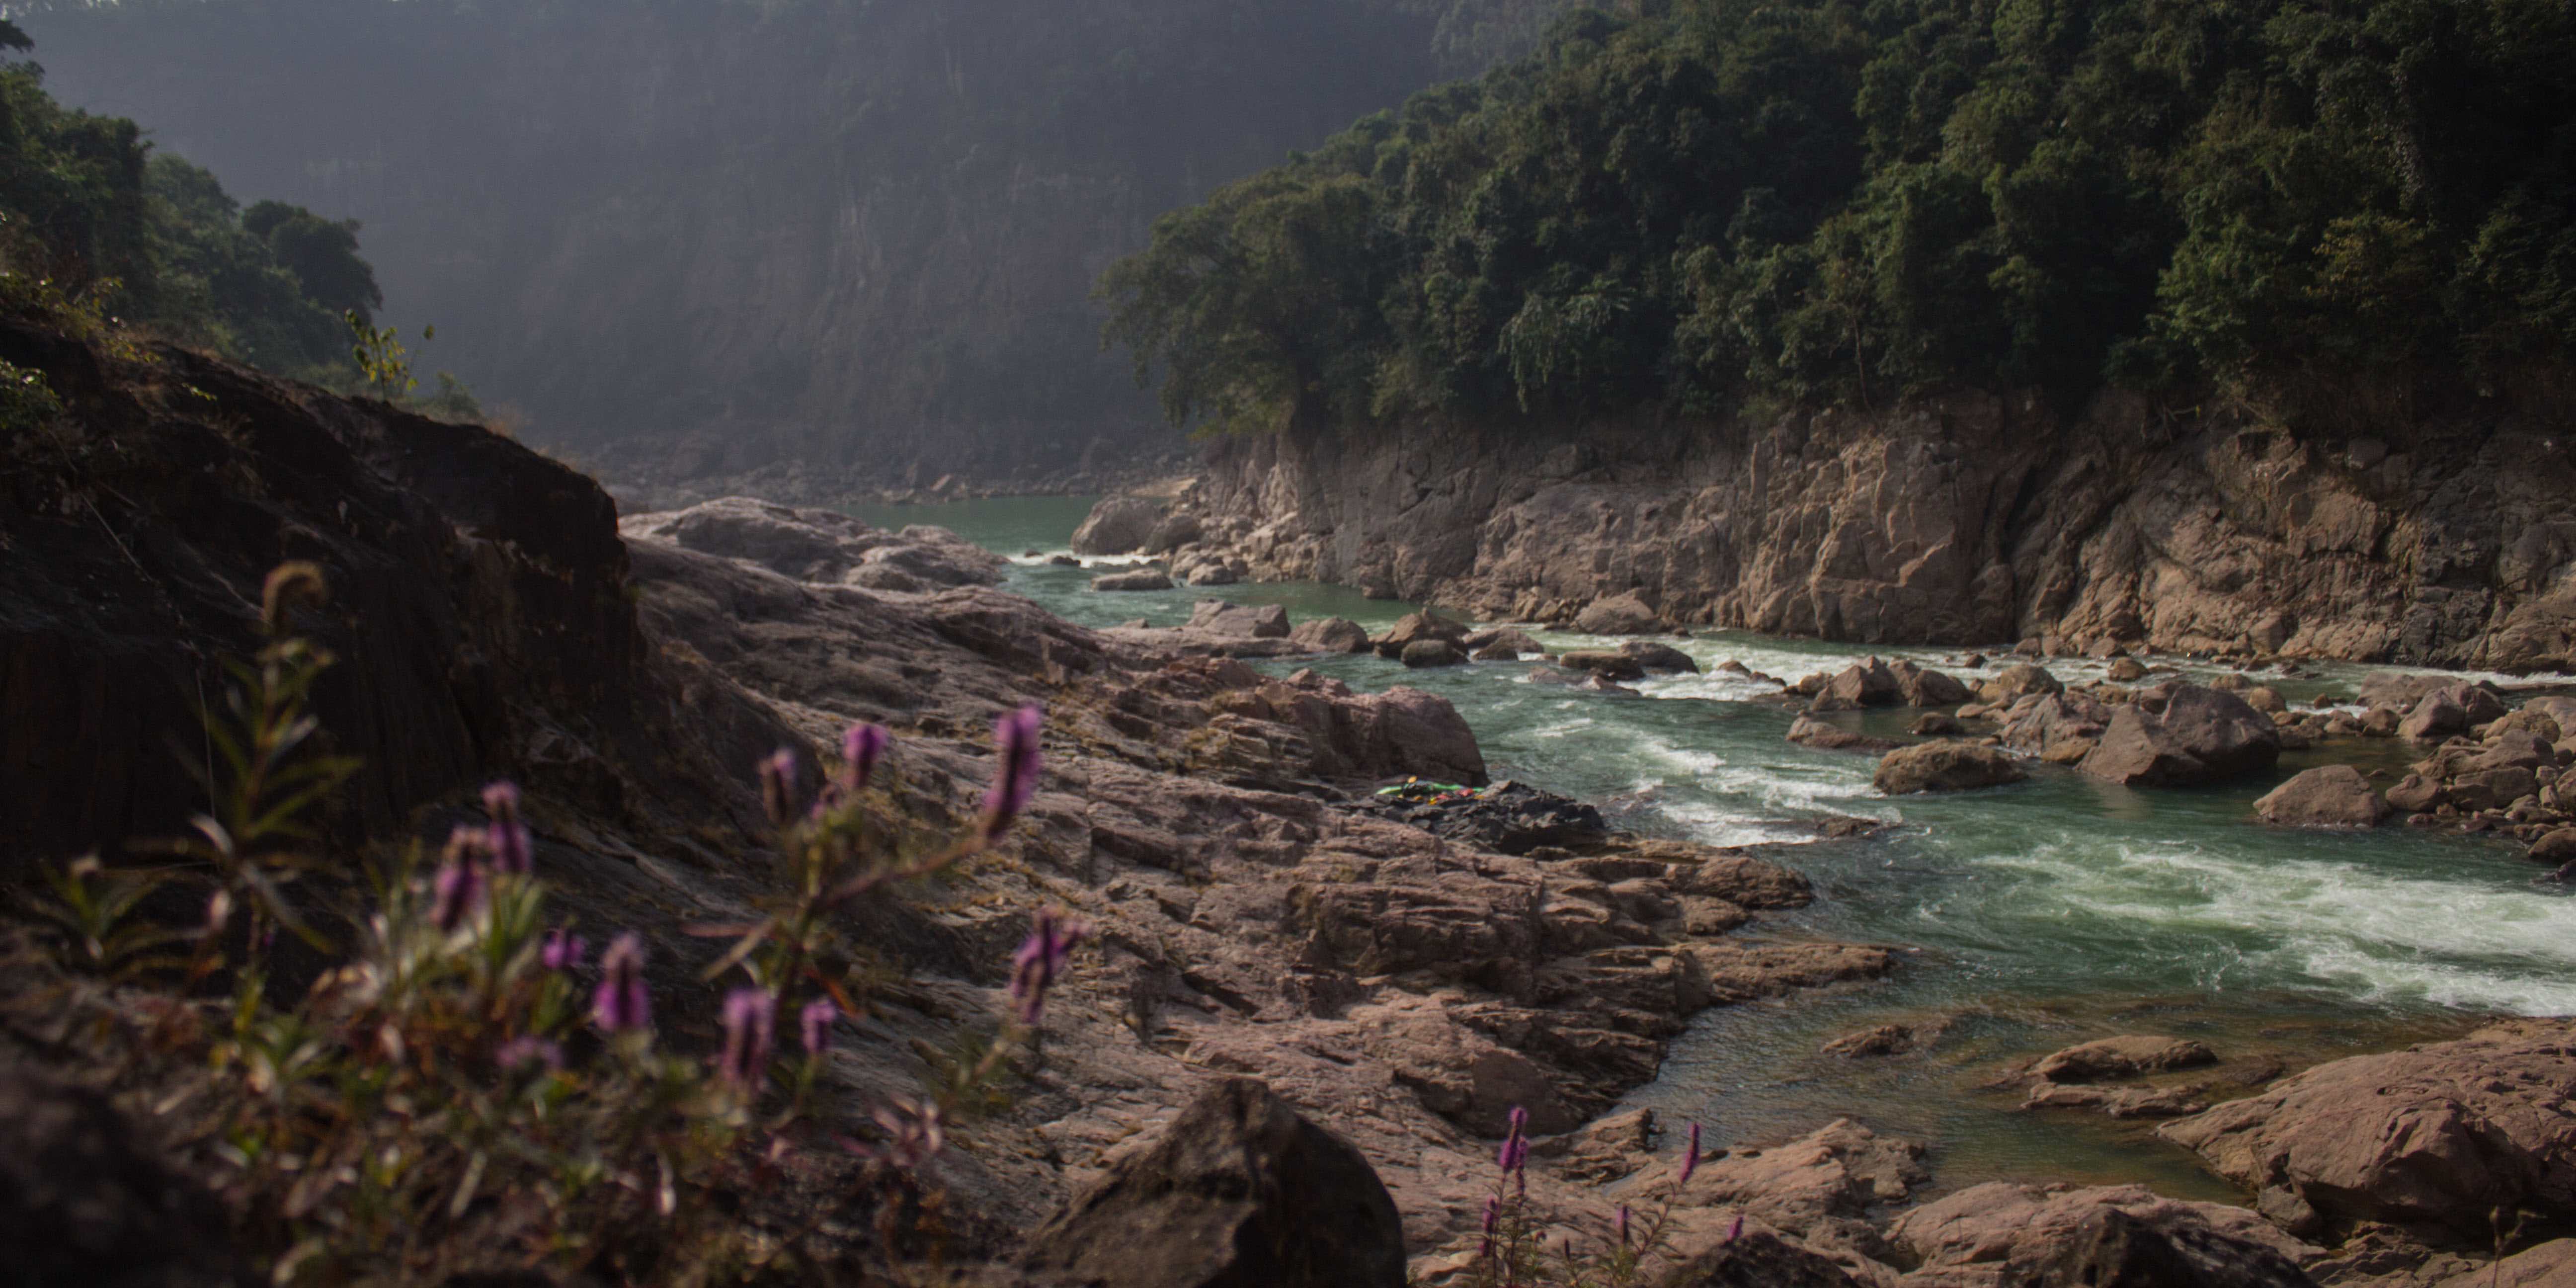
x=2376, y=935
x=1040, y=559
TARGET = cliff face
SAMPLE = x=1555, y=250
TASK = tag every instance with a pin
x=1966, y=520
x=691, y=240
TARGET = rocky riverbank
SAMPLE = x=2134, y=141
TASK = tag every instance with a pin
x=1396, y=976
x=1957, y=520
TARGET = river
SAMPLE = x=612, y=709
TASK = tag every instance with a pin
x=2031, y=916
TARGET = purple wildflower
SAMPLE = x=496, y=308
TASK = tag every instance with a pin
x=1493, y=1218
x=458, y=890
x=622, y=1002
x=1514, y=1154
x=749, y=1017
x=1690, y=1156
x=815, y=1023
x=512, y=848
x=519, y=1052
x=778, y=786
x=1735, y=1231
x=1623, y=1225
x=1041, y=959
x=1015, y=740
x=563, y=950
x=861, y=748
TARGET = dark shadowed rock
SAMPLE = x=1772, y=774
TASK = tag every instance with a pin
x=2109, y=1248
x=1886, y=1039
x=1869, y=683
x=1659, y=657
x=2436, y=1137
x=2201, y=736
x=1330, y=635
x=1604, y=663
x=2327, y=796
x=1761, y=1259
x=1505, y=645
x=2435, y=716
x=83, y=1202
x=1141, y=579
x=2060, y=728
x=1508, y=818
x=1944, y=767
x=1423, y=653
x=1118, y=525
x=1170, y=533
x=1239, y=1191
x=2127, y=670
x=1933, y=724
x=2555, y=847
x=1621, y=614
x=1918, y=687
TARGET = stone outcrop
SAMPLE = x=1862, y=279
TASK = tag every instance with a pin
x=2026, y=1236
x=1140, y=579
x=1238, y=1190
x=2125, y=1056
x=2200, y=736
x=1329, y=635
x=2435, y=1138
x=1946, y=766
x=822, y=545
x=1958, y=519
x=2327, y=796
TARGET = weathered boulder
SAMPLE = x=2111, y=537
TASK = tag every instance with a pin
x=1625, y=613
x=1330, y=635
x=2556, y=847
x=1884, y=1039
x=1117, y=525
x=2060, y=728
x=2435, y=716
x=2201, y=736
x=2126, y=1056
x=1944, y=767
x=1920, y=687
x=1141, y=579
x=1757, y=1258
x=1170, y=533
x=1259, y=622
x=2127, y=670
x=2018, y=681
x=1415, y=627
x=1507, y=818
x=2327, y=796
x=1504, y=645
x=821, y=546
x=1834, y=1174
x=1659, y=657
x=1402, y=732
x=1933, y=724
x=84, y=1200
x=2037, y=1232
x=1206, y=572
x=1807, y=731
x=2436, y=1137
x=1604, y=663
x=1239, y=1190
x=2415, y=794
x=2115, y=1102
x=1427, y=653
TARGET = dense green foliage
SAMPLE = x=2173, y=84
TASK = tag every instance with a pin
x=1848, y=199
x=86, y=208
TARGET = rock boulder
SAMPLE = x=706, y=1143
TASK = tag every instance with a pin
x=2327, y=796
x=1944, y=767
x=1329, y=635
x=1238, y=1190
x=1621, y=614
x=1118, y=525
x=2201, y=736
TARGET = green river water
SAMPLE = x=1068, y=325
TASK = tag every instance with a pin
x=2031, y=916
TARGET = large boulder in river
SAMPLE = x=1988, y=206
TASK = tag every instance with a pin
x=1141, y=579
x=1238, y=1190
x=1607, y=664
x=1418, y=626
x=2129, y=1055
x=2018, y=681
x=1919, y=687
x=2327, y=796
x=1659, y=657
x=1330, y=635
x=2436, y=1138
x=1620, y=614
x=2060, y=728
x=1423, y=653
x=1259, y=622
x=1171, y=532
x=1944, y=767
x=2201, y=736
x=1807, y=731
x=1869, y=683
x=1118, y=525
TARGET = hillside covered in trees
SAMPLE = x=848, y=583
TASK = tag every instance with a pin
x=92, y=218
x=721, y=234
x=1700, y=201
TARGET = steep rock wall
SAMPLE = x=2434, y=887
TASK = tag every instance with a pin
x=1966, y=519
